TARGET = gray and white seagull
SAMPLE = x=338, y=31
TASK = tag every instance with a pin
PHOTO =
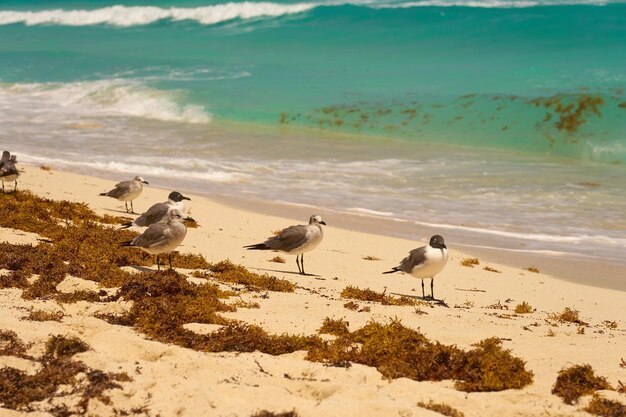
x=162, y=237
x=295, y=240
x=8, y=171
x=425, y=262
x=158, y=211
x=127, y=191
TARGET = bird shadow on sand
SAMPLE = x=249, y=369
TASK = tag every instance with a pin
x=119, y=211
x=286, y=272
x=435, y=301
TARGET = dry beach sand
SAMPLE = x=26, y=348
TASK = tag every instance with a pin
x=168, y=380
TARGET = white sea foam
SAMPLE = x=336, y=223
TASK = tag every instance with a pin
x=110, y=97
x=134, y=167
x=540, y=237
x=492, y=4
x=126, y=16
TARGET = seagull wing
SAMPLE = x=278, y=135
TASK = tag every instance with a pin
x=120, y=189
x=154, y=214
x=153, y=236
x=289, y=239
x=416, y=257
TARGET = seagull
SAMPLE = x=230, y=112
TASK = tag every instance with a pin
x=159, y=211
x=295, y=240
x=425, y=262
x=127, y=191
x=162, y=237
x=8, y=171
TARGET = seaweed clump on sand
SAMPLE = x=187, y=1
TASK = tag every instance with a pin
x=603, y=407
x=399, y=352
x=20, y=391
x=40, y=315
x=568, y=315
x=337, y=327
x=11, y=345
x=356, y=293
x=164, y=302
x=576, y=381
x=524, y=308
x=265, y=413
x=76, y=241
x=228, y=272
x=441, y=408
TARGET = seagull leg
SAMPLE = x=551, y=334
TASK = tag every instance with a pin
x=432, y=288
x=132, y=209
x=158, y=265
x=298, y=263
x=126, y=206
x=2, y=187
x=423, y=294
x=15, y=188
x=169, y=255
x=302, y=262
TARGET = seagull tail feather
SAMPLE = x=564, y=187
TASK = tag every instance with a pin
x=127, y=243
x=126, y=225
x=394, y=269
x=258, y=246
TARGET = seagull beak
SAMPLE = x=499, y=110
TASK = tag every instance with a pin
x=323, y=222
x=146, y=182
x=186, y=198
x=191, y=219
x=444, y=247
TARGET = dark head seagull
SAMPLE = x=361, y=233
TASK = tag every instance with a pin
x=295, y=240
x=8, y=171
x=158, y=212
x=127, y=191
x=425, y=262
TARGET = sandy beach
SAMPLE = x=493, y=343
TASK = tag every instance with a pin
x=170, y=380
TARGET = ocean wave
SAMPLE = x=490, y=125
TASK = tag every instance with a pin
x=126, y=16
x=493, y=4
x=135, y=167
x=113, y=97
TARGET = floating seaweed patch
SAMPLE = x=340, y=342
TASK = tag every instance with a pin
x=572, y=111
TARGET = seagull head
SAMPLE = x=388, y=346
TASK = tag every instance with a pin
x=176, y=197
x=437, y=242
x=140, y=179
x=176, y=215
x=316, y=219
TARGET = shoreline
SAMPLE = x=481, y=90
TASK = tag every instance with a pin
x=479, y=302
x=591, y=271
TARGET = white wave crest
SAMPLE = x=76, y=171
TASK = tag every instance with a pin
x=490, y=4
x=134, y=167
x=110, y=98
x=126, y=16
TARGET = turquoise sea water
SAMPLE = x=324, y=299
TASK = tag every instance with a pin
x=498, y=117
